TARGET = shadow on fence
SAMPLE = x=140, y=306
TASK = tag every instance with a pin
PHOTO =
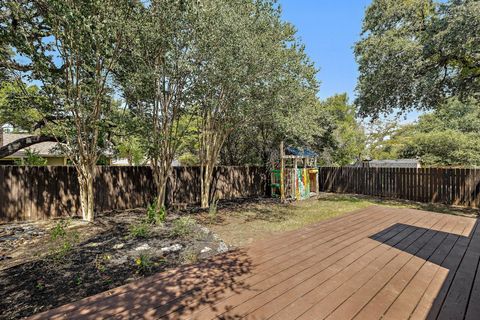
x=36, y=193
x=429, y=185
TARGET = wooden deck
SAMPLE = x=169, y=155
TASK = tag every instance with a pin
x=370, y=264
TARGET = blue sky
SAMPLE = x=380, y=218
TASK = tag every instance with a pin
x=329, y=30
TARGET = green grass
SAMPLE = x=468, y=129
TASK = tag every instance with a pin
x=242, y=226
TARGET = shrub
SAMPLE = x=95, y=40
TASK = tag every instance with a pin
x=155, y=215
x=59, y=231
x=63, y=241
x=143, y=262
x=139, y=230
x=78, y=280
x=100, y=263
x=189, y=256
x=32, y=158
x=182, y=227
x=212, y=211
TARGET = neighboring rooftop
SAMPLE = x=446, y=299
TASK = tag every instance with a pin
x=399, y=163
x=44, y=149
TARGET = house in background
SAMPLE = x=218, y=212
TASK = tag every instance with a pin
x=48, y=150
x=52, y=152
x=124, y=162
x=399, y=163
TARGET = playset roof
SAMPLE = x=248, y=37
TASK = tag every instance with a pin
x=301, y=153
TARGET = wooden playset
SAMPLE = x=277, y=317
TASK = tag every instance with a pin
x=296, y=174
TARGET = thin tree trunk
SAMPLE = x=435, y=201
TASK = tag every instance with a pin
x=206, y=181
x=161, y=169
x=161, y=178
x=87, y=201
x=211, y=144
x=161, y=193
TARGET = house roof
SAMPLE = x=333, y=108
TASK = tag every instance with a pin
x=44, y=149
x=395, y=161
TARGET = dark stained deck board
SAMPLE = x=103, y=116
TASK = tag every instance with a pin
x=407, y=301
x=416, y=275
x=353, y=259
x=278, y=303
x=347, y=243
x=434, y=296
x=473, y=311
x=455, y=304
x=358, y=299
x=373, y=263
x=417, y=239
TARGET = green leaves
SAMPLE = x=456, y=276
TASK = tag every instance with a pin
x=414, y=54
x=343, y=139
x=448, y=136
x=20, y=105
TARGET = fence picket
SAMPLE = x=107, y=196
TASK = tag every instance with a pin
x=429, y=185
x=34, y=193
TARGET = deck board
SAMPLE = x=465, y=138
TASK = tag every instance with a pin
x=373, y=263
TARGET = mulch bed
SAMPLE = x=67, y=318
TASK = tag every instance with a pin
x=109, y=257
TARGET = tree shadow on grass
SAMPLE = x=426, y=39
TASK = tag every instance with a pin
x=340, y=198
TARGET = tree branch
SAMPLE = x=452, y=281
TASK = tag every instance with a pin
x=19, y=144
x=42, y=123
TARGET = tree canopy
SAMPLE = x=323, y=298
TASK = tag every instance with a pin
x=415, y=54
x=70, y=48
x=448, y=136
x=343, y=139
x=207, y=82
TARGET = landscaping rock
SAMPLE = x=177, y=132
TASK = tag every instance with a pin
x=173, y=248
x=222, y=247
x=205, y=230
x=118, y=246
x=119, y=260
x=205, y=250
x=8, y=238
x=143, y=247
x=92, y=244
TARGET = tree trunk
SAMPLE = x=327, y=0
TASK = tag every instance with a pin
x=87, y=201
x=214, y=130
x=161, y=170
x=205, y=183
x=161, y=190
x=210, y=151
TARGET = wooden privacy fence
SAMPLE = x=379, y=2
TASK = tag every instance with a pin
x=36, y=193
x=437, y=185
